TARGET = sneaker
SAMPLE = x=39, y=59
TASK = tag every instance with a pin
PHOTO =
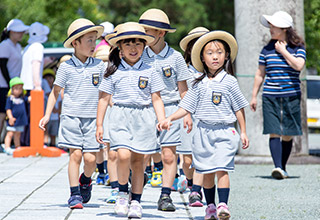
x=113, y=197
x=75, y=202
x=135, y=210
x=85, y=191
x=223, y=211
x=9, y=151
x=278, y=173
x=195, y=199
x=156, y=179
x=174, y=186
x=100, y=179
x=149, y=177
x=165, y=204
x=286, y=175
x=122, y=204
x=182, y=184
x=211, y=212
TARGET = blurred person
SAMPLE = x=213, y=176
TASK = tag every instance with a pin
x=108, y=29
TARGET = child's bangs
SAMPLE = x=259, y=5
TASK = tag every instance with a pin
x=133, y=40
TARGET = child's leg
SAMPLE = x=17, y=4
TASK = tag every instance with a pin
x=100, y=165
x=209, y=188
x=46, y=137
x=123, y=169
x=223, y=186
x=73, y=168
x=112, y=165
x=52, y=140
x=197, y=181
x=187, y=161
x=157, y=161
x=137, y=175
x=168, y=155
x=89, y=160
x=8, y=139
x=16, y=138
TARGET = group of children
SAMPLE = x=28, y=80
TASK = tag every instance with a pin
x=145, y=85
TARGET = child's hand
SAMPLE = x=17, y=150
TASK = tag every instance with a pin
x=164, y=125
x=281, y=46
x=99, y=135
x=187, y=122
x=244, y=140
x=43, y=122
x=12, y=121
x=253, y=104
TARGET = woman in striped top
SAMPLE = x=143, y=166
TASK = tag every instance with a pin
x=280, y=62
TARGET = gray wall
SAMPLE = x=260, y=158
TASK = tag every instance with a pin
x=252, y=37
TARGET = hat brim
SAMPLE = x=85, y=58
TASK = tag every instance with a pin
x=68, y=41
x=204, y=39
x=113, y=40
x=184, y=42
x=172, y=30
x=20, y=28
x=264, y=20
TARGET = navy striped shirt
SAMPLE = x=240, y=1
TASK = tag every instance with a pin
x=215, y=101
x=281, y=79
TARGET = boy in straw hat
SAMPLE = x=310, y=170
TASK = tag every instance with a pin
x=80, y=77
x=171, y=66
x=216, y=101
x=133, y=85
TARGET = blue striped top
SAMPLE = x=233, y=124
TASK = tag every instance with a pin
x=132, y=85
x=281, y=79
x=215, y=101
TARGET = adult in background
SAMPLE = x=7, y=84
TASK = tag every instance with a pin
x=108, y=28
x=280, y=62
x=10, y=60
x=32, y=66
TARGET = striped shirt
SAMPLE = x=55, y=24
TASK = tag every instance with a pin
x=194, y=75
x=215, y=101
x=281, y=79
x=171, y=66
x=132, y=85
x=80, y=82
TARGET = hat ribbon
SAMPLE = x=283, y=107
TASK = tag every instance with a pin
x=78, y=31
x=130, y=33
x=158, y=24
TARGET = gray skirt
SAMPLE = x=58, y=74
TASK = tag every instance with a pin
x=214, y=148
x=186, y=139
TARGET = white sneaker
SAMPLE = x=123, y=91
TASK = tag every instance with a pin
x=278, y=173
x=135, y=210
x=122, y=204
x=9, y=151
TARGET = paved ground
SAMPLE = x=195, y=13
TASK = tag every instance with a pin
x=37, y=188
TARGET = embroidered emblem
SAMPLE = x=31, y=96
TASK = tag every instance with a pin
x=95, y=79
x=216, y=98
x=167, y=71
x=143, y=82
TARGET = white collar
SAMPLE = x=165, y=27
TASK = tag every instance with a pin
x=136, y=66
x=162, y=53
x=218, y=78
x=78, y=62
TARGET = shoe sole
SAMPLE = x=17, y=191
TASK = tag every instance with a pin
x=224, y=216
x=277, y=175
x=169, y=209
x=133, y=215
x=196, y=204
x=77, y=206
x=111, y=201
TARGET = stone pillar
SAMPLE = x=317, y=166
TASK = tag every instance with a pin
x=252, y=37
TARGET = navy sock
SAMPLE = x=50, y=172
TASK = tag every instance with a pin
x=100, y=168
x=105, y=165
x=196, y=188
x=190, y=182
x=181, y=172
x=276, y=151
x=136, y=197
x=123, y=188
x=210, y=195
x=159, y=165
x=223, y=194
x=286, y=150
x=84, y=179
x=75, y=190
x=148, y=169
x=114, y=184
x=165, y=190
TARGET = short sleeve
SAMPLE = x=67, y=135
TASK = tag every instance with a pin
x=301, y=52
x=61, y=76
x=37, y=51
x=262, y=58
x=238, y=101
x=182, y=68
x=8, y=103
x=4, y=50
x=107, y=85
x=190, y=100
x=157, y=83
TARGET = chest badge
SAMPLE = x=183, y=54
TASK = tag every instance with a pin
x=167, y=71
x=216, y=98
x=95, y=79
x=143, y=82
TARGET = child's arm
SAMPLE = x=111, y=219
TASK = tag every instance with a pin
x=158, y=106
x=187, y=121
x=50, y=105
x=242, y=123
x=165, y=124
x=258, y=80
x=104, y=99
x=296, y=63
x=12, y=119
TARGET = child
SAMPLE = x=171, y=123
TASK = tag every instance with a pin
x=174, y=72
x=80, y=77
x=281, y=61
x=16, y=113
x=133, y=86
x=195, y=180
x=217, y=102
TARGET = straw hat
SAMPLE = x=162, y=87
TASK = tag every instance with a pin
x=80, y=27
x=279, y=19
x=193, y=34
x=156, y=19
x=112, y=34
x=64, y=58
x=204, y=39
x=130, y=30
x=102, y=52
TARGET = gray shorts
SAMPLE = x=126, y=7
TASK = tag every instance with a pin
x=171, y=137
x=15, y=128
x=78, y=133
x=214, y=148
x=186, y=139
x=53, y=127
x=133, y=128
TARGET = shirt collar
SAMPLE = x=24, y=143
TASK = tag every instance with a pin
x=218, y=78
x=162, y=53
x=78, y=62
x=136, y=66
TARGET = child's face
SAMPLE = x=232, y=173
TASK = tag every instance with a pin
x=131, y=51
x=156, y=34
x=50, y=80
x=277, y=33
x=85, y=47
x=214, y=56
x=17, y=90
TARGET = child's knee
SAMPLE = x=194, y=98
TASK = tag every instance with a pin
x=168, y=157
